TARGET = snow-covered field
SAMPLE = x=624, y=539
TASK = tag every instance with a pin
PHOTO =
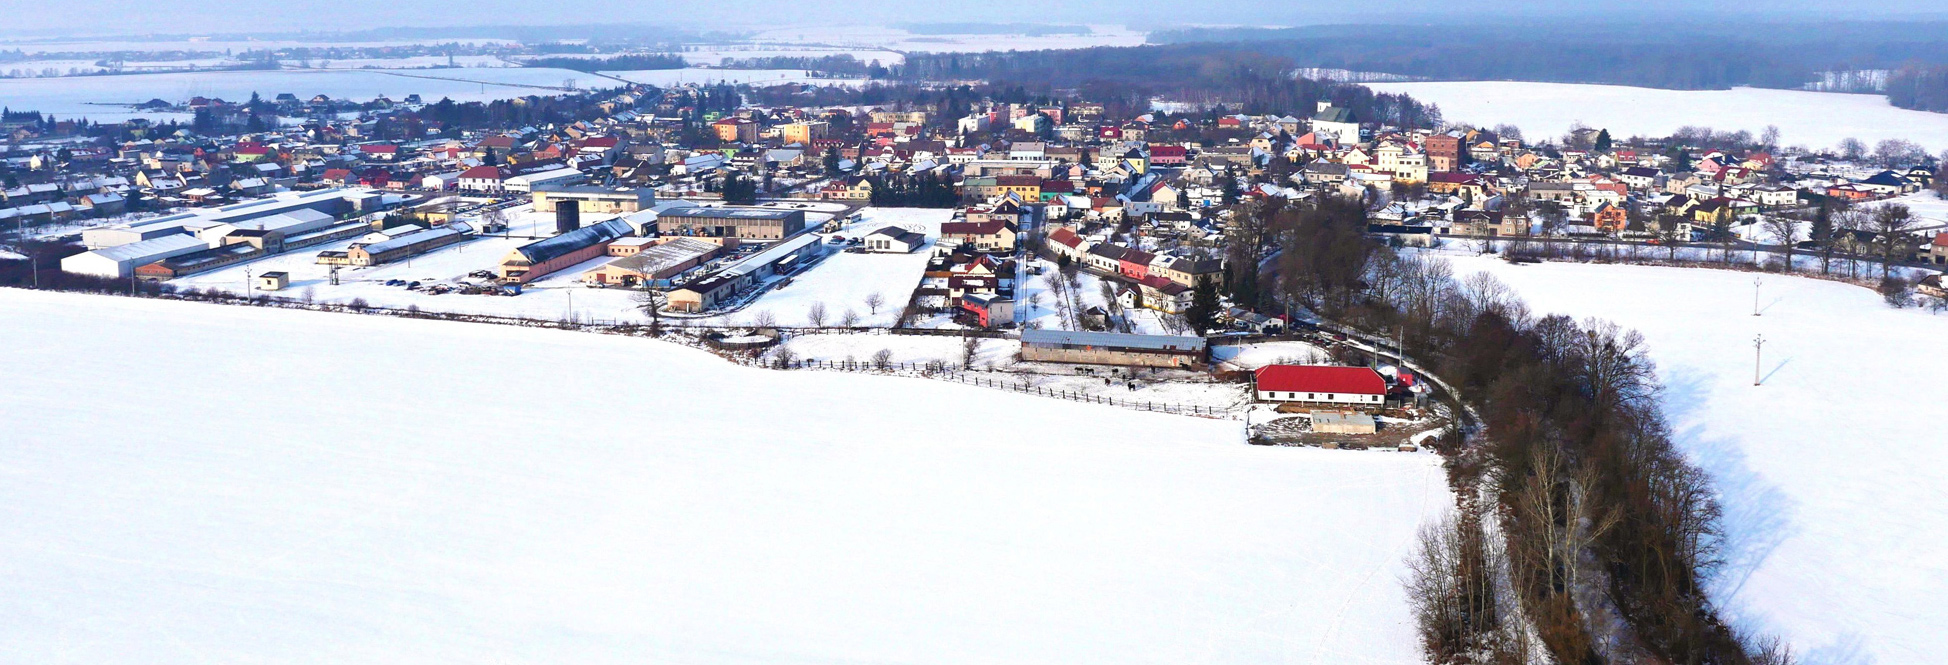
x=1831, y=470
x=306, y=487
x=85, y=96
x=843, y=281
x=881, y=37
x=1811, y=119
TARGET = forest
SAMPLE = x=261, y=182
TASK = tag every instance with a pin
x=1922, y=88
x=618, y=63
x=1127, y=78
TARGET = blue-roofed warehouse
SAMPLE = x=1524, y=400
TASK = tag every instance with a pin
x=1103, y=348
x=537, y=259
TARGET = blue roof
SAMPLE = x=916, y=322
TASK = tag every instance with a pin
x=1118, y=340
x=567, y=243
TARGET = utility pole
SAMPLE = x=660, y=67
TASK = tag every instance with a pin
x=249, y=285
x=36, y=269
x=1756, y=283
x=1758, y=353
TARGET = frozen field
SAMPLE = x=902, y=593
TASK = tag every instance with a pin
x=85, y=96
x=189, y=483
x=1831, y=471
x=1546, y=110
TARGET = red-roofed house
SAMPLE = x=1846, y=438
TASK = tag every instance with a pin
x=380, y=151
x=1938, y=250
x=483, y=179
x=1168, y=155
x=1321, y=384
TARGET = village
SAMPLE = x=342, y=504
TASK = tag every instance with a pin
x=1076, y=252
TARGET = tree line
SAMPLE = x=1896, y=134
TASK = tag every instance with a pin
x=1576, y=514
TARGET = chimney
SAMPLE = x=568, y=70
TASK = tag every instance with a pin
x=1323, y=105
x=568, y=216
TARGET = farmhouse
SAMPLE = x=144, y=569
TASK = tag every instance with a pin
x=1321, y=384
x=1101, y=348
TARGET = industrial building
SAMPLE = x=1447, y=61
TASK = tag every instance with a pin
x=530, y=182
x=1102, y=348
x=334, y=203
x=732, y=222
x=537, y=259
x=122, y=260
x=400, y=247
x=589, y=198
x=652, y=264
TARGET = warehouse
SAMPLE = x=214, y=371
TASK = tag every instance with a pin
x=729, y=222
x=592, y=199
x=652, y=264
x=531, y=182
x=1321, y=384
x=400, y=247
x=1102, y=348
x=291, y=208
x=537, y=259
x=122, y=260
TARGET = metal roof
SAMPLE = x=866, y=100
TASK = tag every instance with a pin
x=1118, y=340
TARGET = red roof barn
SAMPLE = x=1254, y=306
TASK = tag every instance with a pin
x=1321, y=383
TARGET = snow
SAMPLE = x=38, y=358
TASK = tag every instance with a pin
x=844, y=280
x=310, y=487
x=897, y=39
x=1811, y=119
x=96, y=97
x=1831, y=470
x=1260, y=354
x=913, y=349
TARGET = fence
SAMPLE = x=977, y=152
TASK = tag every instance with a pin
x=686, y=335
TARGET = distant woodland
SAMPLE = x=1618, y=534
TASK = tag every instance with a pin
x=1236, y=77
x=1706, y=55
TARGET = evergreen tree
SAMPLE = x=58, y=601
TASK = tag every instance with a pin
x=1603, y=141
x=1203, y=312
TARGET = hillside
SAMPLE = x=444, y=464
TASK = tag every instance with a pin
x=198, y=483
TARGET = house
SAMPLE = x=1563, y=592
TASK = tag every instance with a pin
x=992, y=235
x=1320, y=384
x=490, y=179
x=849, y=188
x=1336, y=123
x=894, y=239
x=1938, y=250
x=1102, y=348
x=988, y=310
x=736, y=130
x=593, y=199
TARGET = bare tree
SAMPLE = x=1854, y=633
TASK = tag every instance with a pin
x=651, y=303
x=1785, y=231
x=784, y=357
x=1852, y=149
x=764, y=319
x=883, y=359
x=816, y=315
x=969, y=345
x=849, y=319
x=873, y=301
x=1894, y=226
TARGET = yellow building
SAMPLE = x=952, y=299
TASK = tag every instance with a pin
x=806, y=132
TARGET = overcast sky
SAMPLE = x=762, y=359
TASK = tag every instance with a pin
x=105, y=17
